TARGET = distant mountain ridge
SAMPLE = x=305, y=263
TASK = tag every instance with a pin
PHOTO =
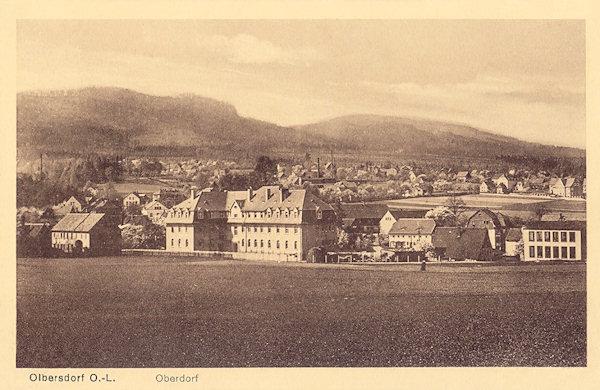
x=116, y=120
x=404, y=135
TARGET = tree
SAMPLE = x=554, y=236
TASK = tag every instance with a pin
x=520, y=249
x=343, y=240
x=266, y=170
x=540, y=210
x=442, y=216
x=456, y=205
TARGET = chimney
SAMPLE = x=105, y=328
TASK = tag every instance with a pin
x=193, y=192
x=318, y=167
x=249, y=193
x=268, y=192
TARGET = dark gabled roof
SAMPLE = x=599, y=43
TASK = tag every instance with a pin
x=556, y=225
x=212, y=201
x=514, y=235
x=499, y=219
x=444, y=236
x=367, y=210
x=38, y=229
x=400, y=213
x=469, y=243
x=421, y=226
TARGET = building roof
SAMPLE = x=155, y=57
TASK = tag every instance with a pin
x=37, y=229
x=556, y=225
x=419, y=226
x=400, y=213
x=78, y=222
x=499, y=219
x=463, y=174
x=460, y=243
x=514, y=235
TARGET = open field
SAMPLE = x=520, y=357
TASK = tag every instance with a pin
x=186, y=312
x=511, y=205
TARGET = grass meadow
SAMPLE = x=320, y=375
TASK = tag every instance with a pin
x=189, y=312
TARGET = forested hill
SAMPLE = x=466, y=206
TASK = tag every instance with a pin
x=114, y=120
x=121, y=120
x=405, y=136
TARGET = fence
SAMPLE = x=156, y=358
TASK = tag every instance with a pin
x=280, y=257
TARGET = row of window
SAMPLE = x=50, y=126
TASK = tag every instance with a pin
x=262, y=244
x=552, y=252
x=545, y=236
x=179, y=242
x=257, y=229
x=70, y=235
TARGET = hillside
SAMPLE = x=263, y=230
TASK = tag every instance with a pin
x=407, y=136
x=127, y=122
x=120, y=120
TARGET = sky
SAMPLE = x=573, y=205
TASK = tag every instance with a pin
x=520, y=78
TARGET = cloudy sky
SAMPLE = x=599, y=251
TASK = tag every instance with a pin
x=519, y=78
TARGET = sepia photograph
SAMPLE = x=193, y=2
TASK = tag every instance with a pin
x=228, y=193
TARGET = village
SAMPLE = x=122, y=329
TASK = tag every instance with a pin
x=313, y=212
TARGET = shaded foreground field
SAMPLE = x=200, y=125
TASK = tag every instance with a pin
x=153, y=312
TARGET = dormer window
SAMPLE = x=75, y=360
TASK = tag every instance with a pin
x=287, y=213
x=319, y=213
x=268, y=213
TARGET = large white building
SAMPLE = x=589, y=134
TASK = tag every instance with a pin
x=554, y=240
x=270, y=220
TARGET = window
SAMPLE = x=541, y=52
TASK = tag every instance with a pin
x=179, y=229
x=269, y=229
x=261, y=243
x=179, y=243
x=546, y=236
x=555, y=252
x=540, y=251
x=268, y=243
x=242, y=229
x=555, y=237
x=242, y=242
x=277, y=229
x=187, y=243
x=295, y=244
x=295, y=230
x=572, y=236
x=255, y=243
x=172, y=242
x=286, y=245
x=286, y=230
x=277, y=244
x=531, y=236
x=563, y=236
x=571, y=252
x=538, y=236
x=532, y=251
x=261, y=229
x=563, y=252
x=235, y=230
x=248, y=243
x=547, y=253
x=255, y=229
